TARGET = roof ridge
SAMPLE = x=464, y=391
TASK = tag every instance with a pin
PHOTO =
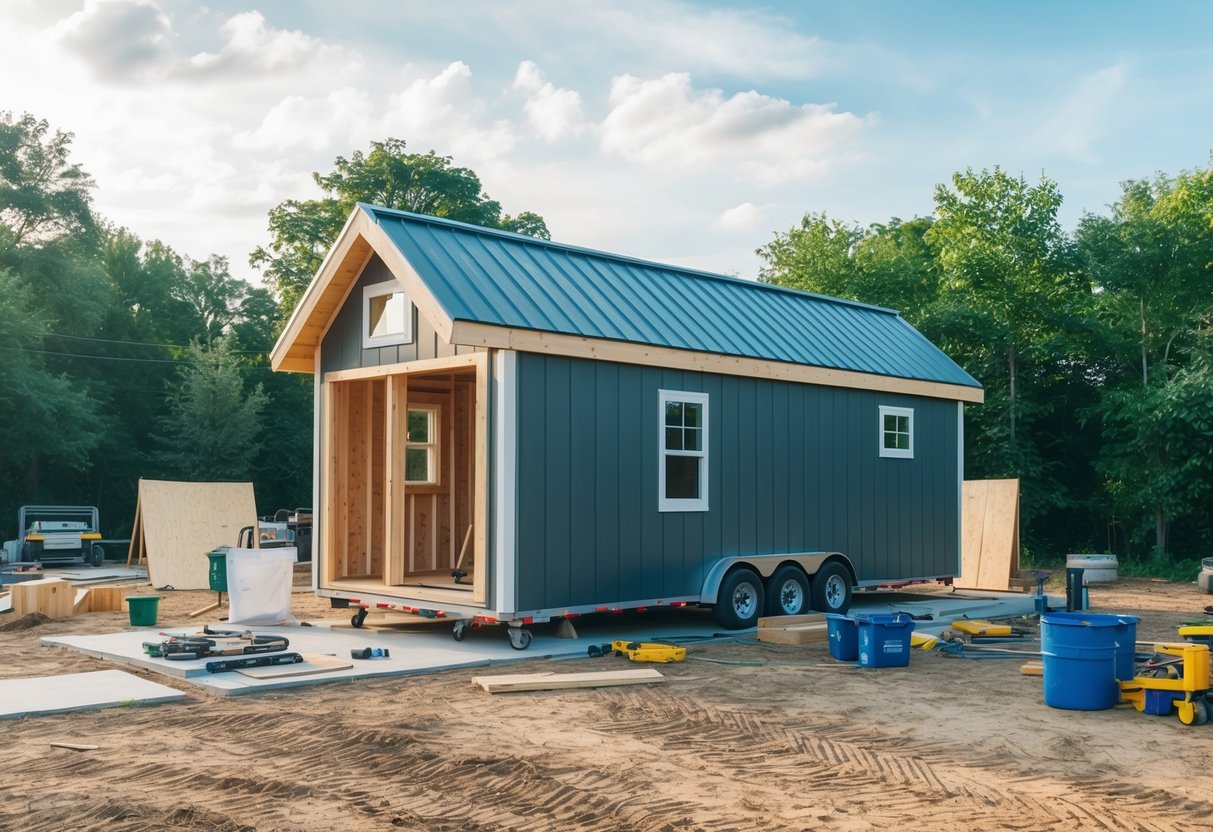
x=607, y=255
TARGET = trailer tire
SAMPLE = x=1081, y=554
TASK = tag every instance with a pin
x=831, y=590
x=787, y=591
x=96, y=554
x=739, y=602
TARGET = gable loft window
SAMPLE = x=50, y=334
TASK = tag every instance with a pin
x=387, y=315
x=897, y=432
x=421, y=447
x=682, y=474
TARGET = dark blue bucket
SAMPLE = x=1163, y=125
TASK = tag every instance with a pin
x=884, y=640
x=1079, y=654
x=844, y=637
x=1126, y=647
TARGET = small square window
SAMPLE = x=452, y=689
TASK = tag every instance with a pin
x=896, y=432
x=387, y=315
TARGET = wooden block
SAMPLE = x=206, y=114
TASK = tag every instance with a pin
x=105, y=599
x=52, y=597
x=782, y=622
x=803, y=634
x=565, y=681
x=1032, y=669
x=81, y=604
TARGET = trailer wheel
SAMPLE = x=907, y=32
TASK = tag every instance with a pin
x=519, y=638
x=832, y=588
x=461, y=631
x=739, y=601
x=787, y=591
x=359, y=618
x=96, y=554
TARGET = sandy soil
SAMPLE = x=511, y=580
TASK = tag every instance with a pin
x=946, y=744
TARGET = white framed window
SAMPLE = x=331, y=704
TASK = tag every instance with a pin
x=682, y=472
x=896, y=432
x=421, y=446
x=387, y=315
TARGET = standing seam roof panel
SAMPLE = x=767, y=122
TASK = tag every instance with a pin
x=504, y=279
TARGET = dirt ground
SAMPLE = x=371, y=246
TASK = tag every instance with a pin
x=946, y=744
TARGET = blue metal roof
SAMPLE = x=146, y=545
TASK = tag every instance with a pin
x=511, y=280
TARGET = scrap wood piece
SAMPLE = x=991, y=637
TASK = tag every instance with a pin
x=793, y=629
x=53, y=597
x=564, y=681
x=74, y=746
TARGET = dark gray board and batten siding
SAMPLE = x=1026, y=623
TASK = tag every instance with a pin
x=342, y=346
x=792, y=468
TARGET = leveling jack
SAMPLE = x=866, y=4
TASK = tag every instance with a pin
x=1180, y=682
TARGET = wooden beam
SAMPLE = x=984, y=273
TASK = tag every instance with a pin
x=480, y=511
x=466, y=333
x=429, y=365
x=566, y=681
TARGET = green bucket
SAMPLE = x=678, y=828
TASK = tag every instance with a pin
x=218, y=573
x=143, y=609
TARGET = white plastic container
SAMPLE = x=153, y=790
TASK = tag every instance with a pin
x=1204, y=578
x=1096, y=568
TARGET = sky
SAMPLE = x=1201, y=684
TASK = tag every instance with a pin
x=681, y=132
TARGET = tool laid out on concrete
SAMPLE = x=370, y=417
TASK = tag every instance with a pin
x=369, y=653
x=1177, y=678
x=243, y=662
x=214, y=643
x=980, y=628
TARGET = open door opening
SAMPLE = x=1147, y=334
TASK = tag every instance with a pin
x=405, y=485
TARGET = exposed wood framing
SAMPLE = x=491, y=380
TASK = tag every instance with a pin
x=480, y=515
x=465, y=333
x=410, y=368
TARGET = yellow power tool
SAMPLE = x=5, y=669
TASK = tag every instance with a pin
x=649, y=651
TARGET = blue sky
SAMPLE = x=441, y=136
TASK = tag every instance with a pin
x=680, y=132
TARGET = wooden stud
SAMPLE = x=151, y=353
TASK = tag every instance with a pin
x=566, y=681
x=480, y=512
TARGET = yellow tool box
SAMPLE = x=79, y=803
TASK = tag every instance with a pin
x=649, y=651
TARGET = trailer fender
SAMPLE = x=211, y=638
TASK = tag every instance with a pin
x=765, y=566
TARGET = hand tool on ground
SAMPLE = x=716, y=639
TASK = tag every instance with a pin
x=185, y=648
x=1177, y=679
x=595, y=651
x=987, y=629
x=649, y=651
x=241, y=663
x=369, y=653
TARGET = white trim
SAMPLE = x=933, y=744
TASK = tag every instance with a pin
x=699, y=503
x=960, y=481
x=317, y=469
x=896, y=453
x=505, y=479
x=433, y=447
x=378, y=290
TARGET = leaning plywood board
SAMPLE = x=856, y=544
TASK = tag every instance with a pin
x=564, y=681
x=182, y=521
x=79, y=691
x=989, y=534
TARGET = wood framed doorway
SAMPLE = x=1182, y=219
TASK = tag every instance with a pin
x=405, y=482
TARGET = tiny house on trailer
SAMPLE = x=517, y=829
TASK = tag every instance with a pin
x=512, y=430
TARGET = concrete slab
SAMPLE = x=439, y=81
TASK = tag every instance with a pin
x=91, y=574
x=38, y=695
x=426, y=646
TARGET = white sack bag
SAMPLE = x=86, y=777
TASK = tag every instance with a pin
x=259, y=586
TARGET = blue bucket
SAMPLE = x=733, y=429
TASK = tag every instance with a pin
x=1079, y=654
x=884, y=640
x=1126, y=647
x=844, y=637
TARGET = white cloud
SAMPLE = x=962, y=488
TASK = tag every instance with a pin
x=444, y=113
x=252, y=45
x=310, y=123
x=1082, y=118
x=743, y=217
x=552, y=113
x=117, y=38
x=665, y=121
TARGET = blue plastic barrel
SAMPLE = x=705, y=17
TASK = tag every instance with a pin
x=884, y=640
x=1126, y=647
x=844, y=637
x=1079, y=655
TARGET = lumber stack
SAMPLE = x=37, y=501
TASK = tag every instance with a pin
x=53, y=597
x=565, y=681
x=793, y=629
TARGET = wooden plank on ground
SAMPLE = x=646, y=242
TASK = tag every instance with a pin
x=566, y=681
x=793, y=629
x=182, y=521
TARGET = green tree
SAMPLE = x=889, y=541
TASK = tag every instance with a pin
x=42, y=195
x=303, y=231
x=213, y=426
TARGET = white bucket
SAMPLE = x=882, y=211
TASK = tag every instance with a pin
x=1204, y=578
x=1096, y=568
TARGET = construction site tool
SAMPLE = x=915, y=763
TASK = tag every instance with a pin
x=1197, y=634
x=923, y=641
x=1040, y=600
x=241, y=663
x=214, y=643
x=369, y=653
x=595, y=651
x=1177, y=678
x=987, y=629
x=649, y=651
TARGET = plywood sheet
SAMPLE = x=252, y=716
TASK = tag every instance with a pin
x=182, y=521
x=79, y=691
x=989, y=534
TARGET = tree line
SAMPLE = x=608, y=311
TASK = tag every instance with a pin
x=121, y=358
x=1094, y=347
